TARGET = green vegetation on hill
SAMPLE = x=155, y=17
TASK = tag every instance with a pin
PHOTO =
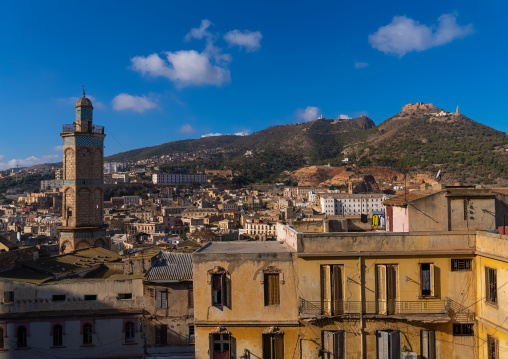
x=464, y=149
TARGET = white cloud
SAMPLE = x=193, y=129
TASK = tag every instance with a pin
x=139, y=104
x=186, y=129
x=308, y=114
x=404, y=35
x=212, y=135
x=247, y=39
x=360, y=65
x=58, y=148
x=344, y=117
x=185, y=68
x=194, y=68
x=242, y=133
x=27, y=162
x=200, y=32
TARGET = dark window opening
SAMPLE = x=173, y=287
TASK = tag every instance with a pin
x=220, y=346
x=21, y=338
x=491, y=285
x=161, y=334
x=124, y=296
x=273, y=346
x=87, y=334
x=221, y=290
x=425, y=278
x=463, y=329
x=2, y=338
x=462, y=265
x=57, y=335
x=58, y=298
x=129, y=332
x=9, y=296
x=492, y=348
x=90, y=296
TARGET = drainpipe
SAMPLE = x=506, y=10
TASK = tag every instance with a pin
x=362, y=300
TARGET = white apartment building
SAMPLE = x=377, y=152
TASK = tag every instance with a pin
x=171, y=178
x=113, y=167
x=352, y=204
x=253, y=229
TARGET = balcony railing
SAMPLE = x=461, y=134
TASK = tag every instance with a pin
x=72, y=128
x=98, y=129
x=68, y=128
x=391, y=307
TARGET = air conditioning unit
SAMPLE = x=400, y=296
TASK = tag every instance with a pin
x=410, y=355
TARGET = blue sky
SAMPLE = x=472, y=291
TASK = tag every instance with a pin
x=159, y=71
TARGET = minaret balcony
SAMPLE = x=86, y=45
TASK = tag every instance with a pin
x=72, y=128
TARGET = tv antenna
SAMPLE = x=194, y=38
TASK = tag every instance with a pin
x=439, y=176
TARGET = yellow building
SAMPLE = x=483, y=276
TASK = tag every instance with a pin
x=244, y=300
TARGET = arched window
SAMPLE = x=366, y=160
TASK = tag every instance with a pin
x=57, y=335
x=1, y=338
x=129, y=332
x=87, y=334
x=21, y=339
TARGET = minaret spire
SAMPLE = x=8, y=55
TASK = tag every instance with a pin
x=83, y=90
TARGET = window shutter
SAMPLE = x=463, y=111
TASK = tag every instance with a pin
x=432, y=344
x=340, y=351
x=267, y=346
x=327, y=344
x=394, y=344
x=210, y=345
x=164, y=299
x=494, y=285
x=497, y=348
x=382, y=345
x=279, y=346
x=226, y=289
x=275, y=289
x=432, y=280
x=326, y=289
x=381, y=289
x=337, y=290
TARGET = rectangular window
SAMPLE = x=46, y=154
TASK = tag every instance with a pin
x=191, y=334
x=492, y=347
x=219, y=346
x=463, y=329
x=8, y=296
x=58, y=297
x=221, y=290
x=428, y=344
x=462, y=265
x=331, y=290
x=161, y=299
x=190, y=298
x=124, y=296
x=161, y=334
x=273, y=346
x=388, y=344
x=90, y=296
x=427, y=279
x=272, y=289
x=333, y=344
x=386, y=288
x=491, y=285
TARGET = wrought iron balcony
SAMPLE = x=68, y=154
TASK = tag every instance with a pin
x=68, y=128
x=98, y=129
x=72, y=128
x=391, y=307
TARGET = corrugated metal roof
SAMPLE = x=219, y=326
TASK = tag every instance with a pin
x=171, y=266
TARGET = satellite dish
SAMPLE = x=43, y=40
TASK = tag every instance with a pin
x=438, y=176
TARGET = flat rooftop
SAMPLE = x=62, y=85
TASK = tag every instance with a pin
x=245, y=247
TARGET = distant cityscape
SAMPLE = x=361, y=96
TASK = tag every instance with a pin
x=123, y=260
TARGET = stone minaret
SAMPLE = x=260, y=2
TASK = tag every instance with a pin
x=83, y=156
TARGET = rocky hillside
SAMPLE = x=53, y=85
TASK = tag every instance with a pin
x=419, y=139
